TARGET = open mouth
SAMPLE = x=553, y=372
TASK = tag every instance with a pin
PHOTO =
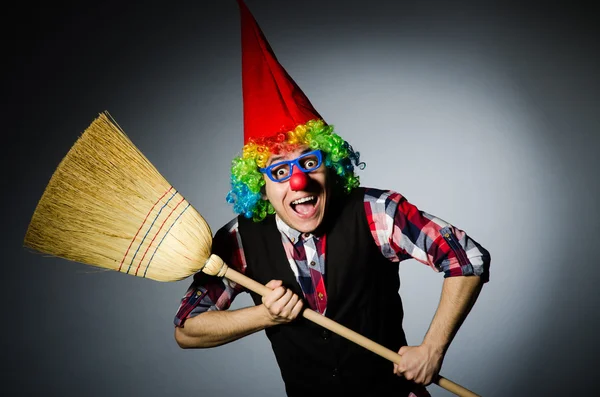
x=305, y=205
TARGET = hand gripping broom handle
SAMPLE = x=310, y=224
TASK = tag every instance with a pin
x=216, y=267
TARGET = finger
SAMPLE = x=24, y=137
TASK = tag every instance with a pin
x=289, y=306
x=297, y=309
x=279, y=305
x=399, y=368
x=424, y=380
x=274, y=284
x=273, y=297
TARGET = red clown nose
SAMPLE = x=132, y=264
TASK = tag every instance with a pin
x=298, y=180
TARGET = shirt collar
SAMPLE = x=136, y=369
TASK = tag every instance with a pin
x=292, y=234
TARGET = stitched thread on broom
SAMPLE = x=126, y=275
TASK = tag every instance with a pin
x=96, y=200
x=140, y=228
x=156, y=234
x=163, y=237
x=148, y=231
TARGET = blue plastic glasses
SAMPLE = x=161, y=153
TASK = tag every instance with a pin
x=282, y=171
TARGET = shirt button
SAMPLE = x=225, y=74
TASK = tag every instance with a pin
x=198, y=293
x=325, y=334
x=312, y=263
x=320, y=295
x=306, y=235
x=335, y=372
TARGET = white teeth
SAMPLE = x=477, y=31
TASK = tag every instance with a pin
x=303, y=200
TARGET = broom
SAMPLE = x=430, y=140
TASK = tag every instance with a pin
x=107, y=206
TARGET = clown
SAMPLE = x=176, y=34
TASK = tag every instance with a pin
x=312, y=234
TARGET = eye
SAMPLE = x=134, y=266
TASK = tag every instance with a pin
x=310, y=163
x=280, y=172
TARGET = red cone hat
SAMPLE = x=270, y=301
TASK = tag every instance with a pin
x=273, y=102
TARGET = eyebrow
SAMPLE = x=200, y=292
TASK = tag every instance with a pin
x=280, y=157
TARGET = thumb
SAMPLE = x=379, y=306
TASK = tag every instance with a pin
x=274, y=284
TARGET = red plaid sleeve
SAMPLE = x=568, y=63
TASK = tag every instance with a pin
x=215, y=293
x=402, y=231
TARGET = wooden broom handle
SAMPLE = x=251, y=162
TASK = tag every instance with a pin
x=216, y=267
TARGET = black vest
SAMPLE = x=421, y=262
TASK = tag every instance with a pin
x=362, y=291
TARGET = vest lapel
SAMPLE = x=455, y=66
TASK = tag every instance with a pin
x=274, y=264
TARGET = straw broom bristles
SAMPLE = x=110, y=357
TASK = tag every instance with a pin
x=106, y=205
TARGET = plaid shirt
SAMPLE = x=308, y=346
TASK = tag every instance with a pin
x=400, y=230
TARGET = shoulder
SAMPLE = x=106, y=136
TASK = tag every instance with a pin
x=226, y=240
x=227, y=233
x=380, y=197
x=230, y=227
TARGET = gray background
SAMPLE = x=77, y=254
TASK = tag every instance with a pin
x=482, y=113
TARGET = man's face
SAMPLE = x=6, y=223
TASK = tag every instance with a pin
x=304, y=209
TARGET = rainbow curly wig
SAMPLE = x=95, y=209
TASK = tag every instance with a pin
x=246, y=192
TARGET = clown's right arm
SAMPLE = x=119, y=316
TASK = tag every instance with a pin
x=214, y=328
x=203, y=319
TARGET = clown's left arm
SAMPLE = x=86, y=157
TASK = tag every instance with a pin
x=422, y=363
x=402, y=232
